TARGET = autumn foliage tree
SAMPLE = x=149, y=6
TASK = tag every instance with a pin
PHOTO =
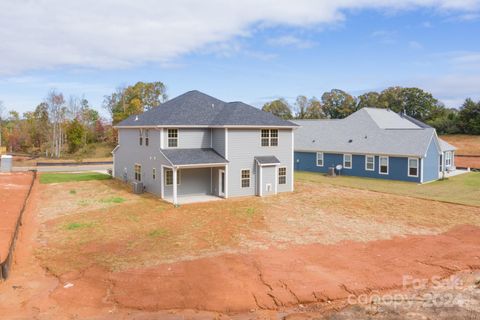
x=135, y=99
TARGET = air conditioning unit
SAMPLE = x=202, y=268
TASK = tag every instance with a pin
x=137, y=187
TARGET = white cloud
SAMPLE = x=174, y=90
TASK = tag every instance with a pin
x=123, y=33
x=291, y=41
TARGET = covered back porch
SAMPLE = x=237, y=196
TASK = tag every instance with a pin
x=195, y=175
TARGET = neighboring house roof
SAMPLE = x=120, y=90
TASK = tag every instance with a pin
x=267, y=160
x=367, y=131
x=179, y=157
x=387, y=119
x=195, y=108
x=445, y=146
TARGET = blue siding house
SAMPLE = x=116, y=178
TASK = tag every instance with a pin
x=373, y=143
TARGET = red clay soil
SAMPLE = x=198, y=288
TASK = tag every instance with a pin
x=13, y=191
x=467, y=162
x=238, y=286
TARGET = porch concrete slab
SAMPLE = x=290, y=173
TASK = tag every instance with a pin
x=194, y=198
x=454, y=173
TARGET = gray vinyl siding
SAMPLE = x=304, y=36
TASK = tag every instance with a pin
x=190, y=138
x=218, y=141
x=192, y=181
x=130, y=152
x=243, y=146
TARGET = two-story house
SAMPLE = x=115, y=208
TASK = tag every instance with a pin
x=195, y=147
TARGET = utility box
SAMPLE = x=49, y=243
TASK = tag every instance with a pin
x=137, y=187
x=331, y=172
x=6, y=163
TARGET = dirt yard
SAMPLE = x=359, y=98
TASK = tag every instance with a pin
x=468, y=153
x=13, y=192
x=466, y=144
x=94, y=249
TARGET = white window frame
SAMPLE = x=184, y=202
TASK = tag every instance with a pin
x=418, y=167
x=380, y=165
x=366, y=162
x=166, y=175
x=242, y=179
x=175, y=138
x=268, y=135
x=351, y=161
x=282, y=175
x=448, y=159
x=140, y=137
x=147, y=140
x=320, y=156
x=137, y=174
x=154, y=173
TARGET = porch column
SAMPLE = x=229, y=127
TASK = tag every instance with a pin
x=174, y=193
x=226, y=181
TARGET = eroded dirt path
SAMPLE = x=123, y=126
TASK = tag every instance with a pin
x=263, y=284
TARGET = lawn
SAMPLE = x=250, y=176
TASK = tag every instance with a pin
x=46, y=178
x=462, y=189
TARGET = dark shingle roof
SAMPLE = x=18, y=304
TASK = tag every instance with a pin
x=195, y=108
x=267, y=160
x=180, y=157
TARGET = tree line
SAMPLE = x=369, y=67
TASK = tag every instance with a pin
x=59, y=125
x=415, y=102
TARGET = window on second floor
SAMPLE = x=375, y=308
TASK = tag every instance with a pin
x=172, y=138
x=140, y=136
x=146, y=137
x=269, y=137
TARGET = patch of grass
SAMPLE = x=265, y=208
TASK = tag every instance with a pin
x=250, y=212
x=463, y=189
x=78, y=225
x=157, y=233
x=73, y=192
x=113, y=200
x=46, y=178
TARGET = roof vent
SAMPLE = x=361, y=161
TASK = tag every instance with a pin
x=136, y=118
x=350, y=141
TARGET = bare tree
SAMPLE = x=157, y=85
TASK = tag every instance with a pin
x=56, y=109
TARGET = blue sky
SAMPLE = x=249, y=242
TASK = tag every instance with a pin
x=247, y=52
